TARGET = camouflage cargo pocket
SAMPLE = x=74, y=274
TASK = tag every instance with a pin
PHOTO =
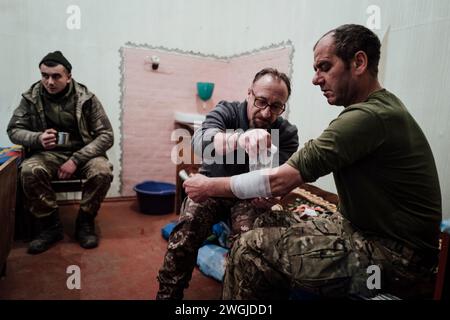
x=326, y=227
x=319, y=262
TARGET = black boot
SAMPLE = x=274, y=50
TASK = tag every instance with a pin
x=169, y=292
x=51, y=231
x=85, y=230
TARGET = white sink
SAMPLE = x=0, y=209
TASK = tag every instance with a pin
x=191, y=118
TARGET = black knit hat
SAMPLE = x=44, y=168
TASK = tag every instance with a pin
x=57, y=57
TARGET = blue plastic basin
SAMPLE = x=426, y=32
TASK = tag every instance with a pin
x=155, y=197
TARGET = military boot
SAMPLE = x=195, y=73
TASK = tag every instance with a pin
x=85, y=230
x=170, y=292
x=51, y=231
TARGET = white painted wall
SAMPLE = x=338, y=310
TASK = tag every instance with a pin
x=416, y=65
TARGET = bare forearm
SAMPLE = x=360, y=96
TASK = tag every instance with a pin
x=199, y=188
x=220, y=187
x=284, y=180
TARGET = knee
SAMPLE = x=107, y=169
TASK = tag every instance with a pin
x=33, y=178
x=244, y=242
x=100, y=171
x=252, y=242
x=192, y=210
x=32, y=170
x=102, y=177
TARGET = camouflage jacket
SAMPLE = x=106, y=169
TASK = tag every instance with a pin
x=28, y=123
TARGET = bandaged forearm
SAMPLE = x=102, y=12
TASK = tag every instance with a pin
x=251, y=185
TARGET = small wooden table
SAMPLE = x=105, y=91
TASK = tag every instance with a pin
x=8, y=187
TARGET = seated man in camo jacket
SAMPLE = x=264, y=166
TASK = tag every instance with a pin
x=55, y=104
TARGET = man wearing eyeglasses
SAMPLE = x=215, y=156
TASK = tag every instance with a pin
x=231, y=133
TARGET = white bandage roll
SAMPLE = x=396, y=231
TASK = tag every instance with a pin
x=251, y=185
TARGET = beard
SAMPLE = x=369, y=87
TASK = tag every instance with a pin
x=258, y=123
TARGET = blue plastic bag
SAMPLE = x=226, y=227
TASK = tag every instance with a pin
x=445, y=226
x=222, y=233
x=211, y=261
x=167, y=229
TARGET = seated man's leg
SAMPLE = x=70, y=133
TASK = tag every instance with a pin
x=316, y=255
x=242, y=216
x=192, y=229
x=98, y=175
x=245, y=216
x=276, y=218
x=248, y=274
x=36, y=174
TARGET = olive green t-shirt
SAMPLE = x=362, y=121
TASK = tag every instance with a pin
x=383, y=168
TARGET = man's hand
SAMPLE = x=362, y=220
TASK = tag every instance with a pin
x=197, y=187
x=265, y=203
x=67, y=170
x=48, y=139
x=254, y=139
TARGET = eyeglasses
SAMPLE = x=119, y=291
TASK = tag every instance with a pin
x=261, y=103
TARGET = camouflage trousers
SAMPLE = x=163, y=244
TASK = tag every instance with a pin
x=192, y=229
x=41, y=168
x=324, y=255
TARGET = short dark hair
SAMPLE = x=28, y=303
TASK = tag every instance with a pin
x=276, y=75
x=351, y=38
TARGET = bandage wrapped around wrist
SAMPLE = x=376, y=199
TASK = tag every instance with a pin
x=251, y=185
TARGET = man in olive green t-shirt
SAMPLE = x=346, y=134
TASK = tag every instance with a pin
x=387, y=182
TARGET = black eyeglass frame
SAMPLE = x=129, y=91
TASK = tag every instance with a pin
x=283, y=107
